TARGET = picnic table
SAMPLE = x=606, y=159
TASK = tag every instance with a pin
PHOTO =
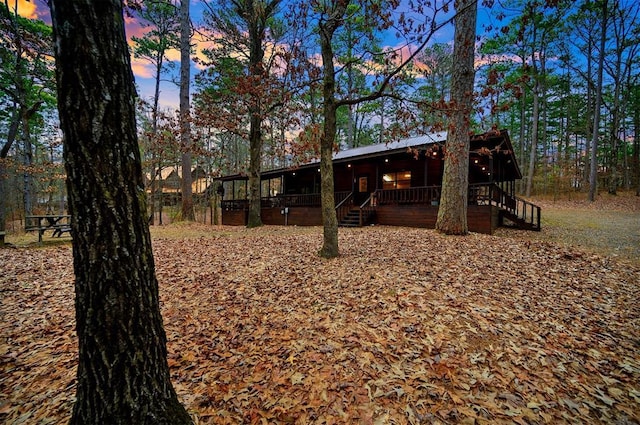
x=59, y=224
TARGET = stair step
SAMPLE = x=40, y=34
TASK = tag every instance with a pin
x=519, y=222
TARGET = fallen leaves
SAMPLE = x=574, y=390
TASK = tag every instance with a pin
x=406, y=327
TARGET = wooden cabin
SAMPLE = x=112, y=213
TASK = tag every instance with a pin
x=395, y=184
x=169, y=179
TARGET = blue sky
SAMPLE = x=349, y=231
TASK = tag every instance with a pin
x=169, y=91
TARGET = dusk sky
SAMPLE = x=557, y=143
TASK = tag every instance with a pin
x=143, y=70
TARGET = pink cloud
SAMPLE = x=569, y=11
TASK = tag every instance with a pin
x=26, y=9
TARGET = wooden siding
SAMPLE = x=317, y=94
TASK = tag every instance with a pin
x=234, y=217
x=407, y=215
x=272, y=216
x=305, y=216
x=298, y=216
x=480, y=218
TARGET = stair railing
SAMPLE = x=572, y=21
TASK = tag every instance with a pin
x=526, y=211
x=343, y=207
x=366, y=209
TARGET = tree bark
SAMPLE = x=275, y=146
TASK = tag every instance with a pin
x=535, y=117
x=4, y=172
x=256, y=22
x=27, y=193
x=452, y=213
x=123, y=375
x=187, y=212
x=593, y=172
x=329, y=219
x=636, y=138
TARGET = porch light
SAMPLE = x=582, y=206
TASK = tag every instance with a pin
x=348, y=165
x=293, y=174
x=484, y=168
x=475, y=161
x=318, y=170
x=386, y=160
x=434, y=153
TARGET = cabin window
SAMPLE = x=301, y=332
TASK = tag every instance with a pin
x=271, y=187
x=399, y=180
x=234, y=190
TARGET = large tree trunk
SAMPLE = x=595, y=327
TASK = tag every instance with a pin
x=3, y=202
x=27, y=193
x=256, y=22
x=255, y=166
x=123, y=375
x=4, y=173
x=452, y=214
x=188, y=213
x=329, y=219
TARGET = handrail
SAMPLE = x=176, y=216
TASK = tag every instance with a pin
x=526, y=211
x=367, y=208
x=344, y=206
x=339, y=197
x=533, y=217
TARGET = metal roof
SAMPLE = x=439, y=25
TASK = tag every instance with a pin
x=403, y=144
x=491, y=139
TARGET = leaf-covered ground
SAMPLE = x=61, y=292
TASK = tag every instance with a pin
x=406, y=327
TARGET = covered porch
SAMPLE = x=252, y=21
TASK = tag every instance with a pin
x=390, y=184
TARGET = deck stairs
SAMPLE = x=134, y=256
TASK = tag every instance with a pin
x=510, y=219
x=515, y=211
x=512, y=210
x=352, y=218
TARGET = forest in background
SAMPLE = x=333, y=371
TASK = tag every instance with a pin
x=561, y=76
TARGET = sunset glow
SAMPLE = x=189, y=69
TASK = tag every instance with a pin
x=26, y=9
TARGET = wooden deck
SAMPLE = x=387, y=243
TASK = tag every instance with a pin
x=489, y=207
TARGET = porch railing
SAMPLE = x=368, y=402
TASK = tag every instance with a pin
x=479, y=194
x=413, y=195
x=520, y=209
x=291, y=200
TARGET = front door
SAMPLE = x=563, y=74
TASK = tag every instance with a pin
x=362, y=189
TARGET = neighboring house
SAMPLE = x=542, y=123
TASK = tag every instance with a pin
x=170, y=178
x=396, y=184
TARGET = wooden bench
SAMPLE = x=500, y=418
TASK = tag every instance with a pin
x=59, y=224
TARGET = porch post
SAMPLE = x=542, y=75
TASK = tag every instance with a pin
x=426, y=169
x=492, y=171
x=353, y=178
